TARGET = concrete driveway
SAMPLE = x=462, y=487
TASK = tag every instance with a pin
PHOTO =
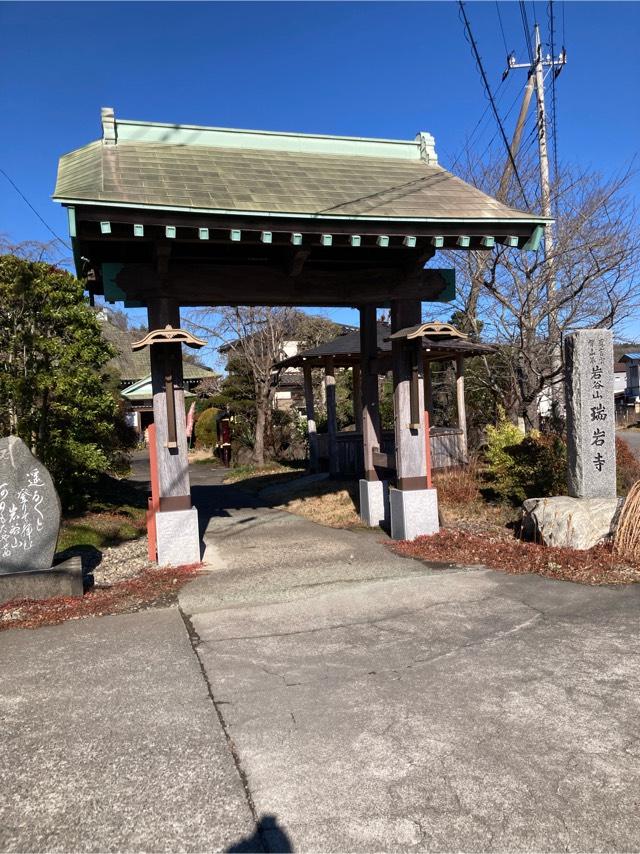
x=314, y=692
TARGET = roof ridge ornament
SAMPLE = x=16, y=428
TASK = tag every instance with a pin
x=109, y=131
x=427, y=147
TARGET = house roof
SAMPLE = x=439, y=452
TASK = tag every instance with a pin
x=346, y=349
x=630, y=357
x=133, y=366
x=218, y=170
x=142, y=390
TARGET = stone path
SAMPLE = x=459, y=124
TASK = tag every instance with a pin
x=313, y=693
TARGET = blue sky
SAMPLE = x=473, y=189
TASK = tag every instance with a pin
x=364, y=69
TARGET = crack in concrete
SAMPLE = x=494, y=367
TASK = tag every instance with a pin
x=374, y=622
x=195, y=641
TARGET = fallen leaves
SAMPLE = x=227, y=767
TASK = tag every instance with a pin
x=156, y=585
x=599, y=565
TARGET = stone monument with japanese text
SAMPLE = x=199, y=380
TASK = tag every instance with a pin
x=29, y=510
x=591, y=422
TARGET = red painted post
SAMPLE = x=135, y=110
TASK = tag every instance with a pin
x=154, y=501
x=427, y=439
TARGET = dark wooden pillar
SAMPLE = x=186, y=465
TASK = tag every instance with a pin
x=166, y=373
x=332, y=422
x=409, y=425
x=371, y=432
x=311, y=418
x=357, y=397
x=428, y=386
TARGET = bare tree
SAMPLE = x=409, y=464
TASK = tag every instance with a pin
x=516, y=297
x=257, y=334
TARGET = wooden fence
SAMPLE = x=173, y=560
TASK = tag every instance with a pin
x=447, y=449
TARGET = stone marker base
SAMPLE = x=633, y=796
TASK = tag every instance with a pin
x=574, y=523
x=374, y=502
x=65, y=579
x=414, y=513
x=177, y=537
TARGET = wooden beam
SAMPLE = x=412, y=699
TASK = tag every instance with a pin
x=382, y=240
x=356, y=381
x=383, y=460
x=411, y=462
x=435, y=231
x=166, y=361
x=138, y=230
x=326, y=239
x=235, y=235
x=488, y=241
x=266, y=237
x=245, y=284
x=355, y=240
x=409, y=240
x=296, y=238
x=170, y=231
x=371, y=431
x=105, y=227
x=463, y=241
x=533, y=242
x=437, y=241
x=296, y=263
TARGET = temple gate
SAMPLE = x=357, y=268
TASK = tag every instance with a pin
x=165, y=216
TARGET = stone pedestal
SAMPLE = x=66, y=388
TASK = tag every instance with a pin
x=63, y=579
x=374, y=502
x=414, y=513
x=177, y=537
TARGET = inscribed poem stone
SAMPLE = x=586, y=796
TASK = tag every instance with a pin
x=591, y=422
x=29, y=510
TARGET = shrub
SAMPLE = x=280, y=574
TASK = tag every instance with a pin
x=520, y=467
x=627, y=467
x=206, y=428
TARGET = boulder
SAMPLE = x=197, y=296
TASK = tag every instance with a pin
x=575, y=523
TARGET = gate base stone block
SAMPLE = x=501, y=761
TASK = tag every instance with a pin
x=374, y=502
x=414, y=513
x=178, y=537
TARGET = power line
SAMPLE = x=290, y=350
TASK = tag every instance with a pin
x=527, y=31
x=491, y=98
x=26, y=200
x=504, y=40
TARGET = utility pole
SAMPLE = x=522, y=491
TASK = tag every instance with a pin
x=536, y=74
x=477, y=277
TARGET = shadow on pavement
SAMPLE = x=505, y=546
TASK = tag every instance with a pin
x=268, y=836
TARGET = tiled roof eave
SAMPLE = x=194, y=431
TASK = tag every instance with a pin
x=524, y=219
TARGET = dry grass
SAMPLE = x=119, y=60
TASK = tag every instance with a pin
x=328, y=502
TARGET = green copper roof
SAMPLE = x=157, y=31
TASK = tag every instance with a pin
x=182, y=167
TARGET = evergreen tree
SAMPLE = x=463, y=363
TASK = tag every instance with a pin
x=55, y=393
